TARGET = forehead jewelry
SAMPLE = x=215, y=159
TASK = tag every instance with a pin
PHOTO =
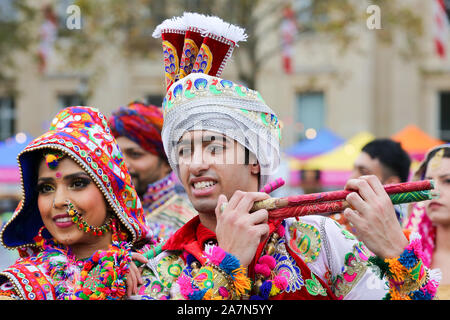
x=79, y=221
x=435, y=162
x=58, y=175
x=52, y=158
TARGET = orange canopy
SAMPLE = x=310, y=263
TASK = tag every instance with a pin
x=415, y=141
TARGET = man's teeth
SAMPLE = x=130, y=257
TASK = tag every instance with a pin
x=204, y=184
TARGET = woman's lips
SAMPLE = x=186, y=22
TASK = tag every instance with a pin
x=434, y=205
x=63, y=221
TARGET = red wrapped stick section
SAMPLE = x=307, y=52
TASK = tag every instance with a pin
x=342, y=194
x=307, y=209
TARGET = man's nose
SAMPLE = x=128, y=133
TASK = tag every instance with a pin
x=198, y=162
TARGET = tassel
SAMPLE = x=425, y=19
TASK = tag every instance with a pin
x=174, y=24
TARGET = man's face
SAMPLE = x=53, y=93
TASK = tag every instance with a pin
x=211, y=164
x=366, y=165
x=144, y=167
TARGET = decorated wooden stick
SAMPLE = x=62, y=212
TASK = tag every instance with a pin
x=293, y=201
x=332, y=202
x=151, y=253
x=272, y=186
x=330, y=207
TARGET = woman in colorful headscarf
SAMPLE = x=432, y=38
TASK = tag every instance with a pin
x=80, y=222
x=431, y=219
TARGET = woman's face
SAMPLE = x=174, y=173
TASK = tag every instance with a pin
x=70, y=182
x=439, y=209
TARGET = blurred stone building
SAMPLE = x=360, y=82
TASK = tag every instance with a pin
x=370, y=86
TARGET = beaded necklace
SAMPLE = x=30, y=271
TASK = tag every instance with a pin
x=99, y=277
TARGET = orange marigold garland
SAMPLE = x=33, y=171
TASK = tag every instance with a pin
x=204, y=285
x=408, y=278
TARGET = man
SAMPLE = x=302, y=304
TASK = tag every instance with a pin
x=222, y=140
x=137, y=129
x=385, y=159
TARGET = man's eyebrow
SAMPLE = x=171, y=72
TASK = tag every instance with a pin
x=184, y=142
x=216, y=137
x=204, y=139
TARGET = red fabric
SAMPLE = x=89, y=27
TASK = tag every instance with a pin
x=186, y=234
x=213, y=55
x=38, y=283
x=441, y=25
x=176, y=39
x=189, y=52
x=190, y=237
x=171, y=57
x=140, y=123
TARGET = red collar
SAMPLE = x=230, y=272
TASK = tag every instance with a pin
x=192, y=231
x=193, y=235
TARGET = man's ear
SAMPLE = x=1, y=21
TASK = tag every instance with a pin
x=255, y=168
x=392, y=179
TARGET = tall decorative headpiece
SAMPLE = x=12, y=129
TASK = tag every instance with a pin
x=196, y=49
x=195, y=43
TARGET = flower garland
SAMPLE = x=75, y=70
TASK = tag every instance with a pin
x=109, y=268
x=408, y=278
x=101, y=277
x=265, y=287
x=63, y=268
x=222, y=277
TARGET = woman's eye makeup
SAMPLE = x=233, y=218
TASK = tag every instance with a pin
x=45, y=187
x=80, y=183
x=72, y=183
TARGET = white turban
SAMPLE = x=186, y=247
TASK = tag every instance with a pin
x=204, y=102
